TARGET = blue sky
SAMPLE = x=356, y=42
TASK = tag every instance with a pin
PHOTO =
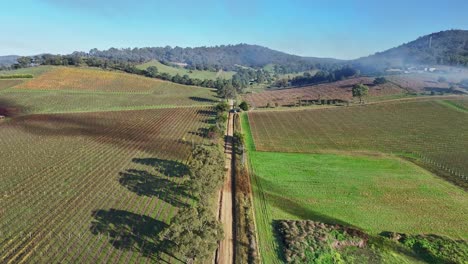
x=320, y=28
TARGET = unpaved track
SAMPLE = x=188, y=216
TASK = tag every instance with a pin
x=225, y=254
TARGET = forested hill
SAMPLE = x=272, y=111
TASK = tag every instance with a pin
x=227, y=57
x=8, y=60
x=443, y=48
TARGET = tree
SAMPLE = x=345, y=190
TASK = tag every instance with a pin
x=442, y=79
x=194, y=233
x=244, y=106
x=380, y=80
x=152, y=71
x=283, y=82
x=360, y=90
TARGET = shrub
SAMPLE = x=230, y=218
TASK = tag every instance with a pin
x=244, y=106
x=442, y=79
x=380, y=80
x=16, y=76
x=222, y=106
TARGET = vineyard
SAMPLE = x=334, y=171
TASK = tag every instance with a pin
x=4, y=84
x=93, y=187
x=370, y=191
x=62, y=89
x=30, y=101
x=340, y=90
x=430, y=131
x=426, y=82
x=90, y=79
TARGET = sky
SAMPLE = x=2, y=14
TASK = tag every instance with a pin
x=343, y=29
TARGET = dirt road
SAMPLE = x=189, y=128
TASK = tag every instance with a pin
x=225, y=254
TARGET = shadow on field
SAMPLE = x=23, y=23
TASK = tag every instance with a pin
x=127, y=129
x=206, y=112
x=129, y=231
x=144, y=183
x=201, y=99
x=276, y=196
x=201, y=132
x=10, y=109
x=169, y=168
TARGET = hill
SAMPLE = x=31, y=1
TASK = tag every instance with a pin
x=442, y=48
x=8, y=60
x=227, y=57
x=73, y=89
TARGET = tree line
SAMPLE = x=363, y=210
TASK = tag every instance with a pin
x=194, y=231
x=319, y=77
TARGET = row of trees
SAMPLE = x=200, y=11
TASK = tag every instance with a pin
x=319, y=77
x=195, y=232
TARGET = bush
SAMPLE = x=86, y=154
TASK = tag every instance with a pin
x=222, y=106
x=442, y=79
x=244, y=106
x=380, y=80
x=16, y=76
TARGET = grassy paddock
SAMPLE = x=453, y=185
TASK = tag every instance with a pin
x=374, y=193
x=182, y=71
x=35, y=71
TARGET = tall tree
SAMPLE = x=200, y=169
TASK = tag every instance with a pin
x=360, y=90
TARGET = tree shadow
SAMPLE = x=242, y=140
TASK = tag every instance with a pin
x=169, y=168
x=201, y=132
x=132, y=131
x=202, y=99
x=206, y=112
x=293, y=207
x=144, y=183
x=129, y=231
x=10, y=109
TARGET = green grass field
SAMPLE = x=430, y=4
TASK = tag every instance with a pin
x=202, y=75
x=35, y=71
x=373, y=192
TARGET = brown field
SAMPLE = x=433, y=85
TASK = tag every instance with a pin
x=340, y=90
x=427, y=82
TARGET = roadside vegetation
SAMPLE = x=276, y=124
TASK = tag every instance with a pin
x=315, y=242
x=245, y=231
